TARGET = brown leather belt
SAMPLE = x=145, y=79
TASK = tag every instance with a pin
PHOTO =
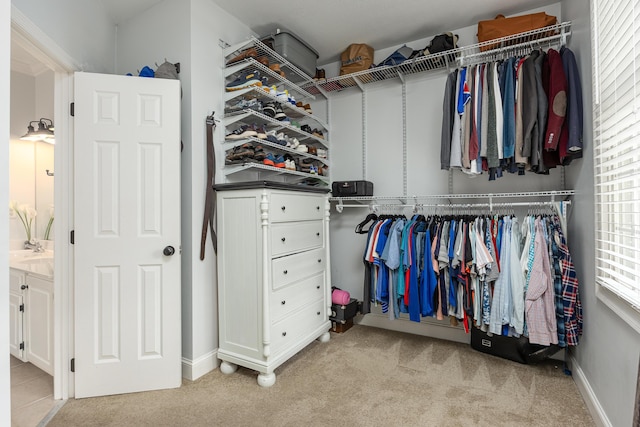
x=210, y=199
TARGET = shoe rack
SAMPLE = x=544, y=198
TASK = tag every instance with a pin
x=254, y=55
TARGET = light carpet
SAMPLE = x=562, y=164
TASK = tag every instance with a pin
x=365, y=376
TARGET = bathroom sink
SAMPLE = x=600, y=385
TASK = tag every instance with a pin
x=29, y=254
x=42, y=260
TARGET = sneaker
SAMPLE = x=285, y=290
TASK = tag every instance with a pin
x=286, y=121
x=321, y=152
x=243, y=104
x=244, y=131
x=294, y=143
x=302, y=148
x=259, y=154
x=279, y=161
x=269, y=159
x=295, y=124
x=281, y=137
x=306, y=128
x=307, y=108
x=269, y=109
x=248, y=78
x=280, y=115
x=318, y=133
x=271, y=137
x=261, y=132
x=283, y=96
x=291, y=100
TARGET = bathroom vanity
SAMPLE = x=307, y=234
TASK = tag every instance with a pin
x=31, y=307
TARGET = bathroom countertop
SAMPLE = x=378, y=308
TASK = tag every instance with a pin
x=36, y=263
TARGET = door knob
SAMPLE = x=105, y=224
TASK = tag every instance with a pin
x=169, y=250
x=23, y=287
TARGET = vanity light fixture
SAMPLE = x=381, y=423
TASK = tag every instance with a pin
x=44, y=132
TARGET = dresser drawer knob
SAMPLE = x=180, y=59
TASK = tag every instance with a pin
x=318, y=287
x=318, y=234
x=318, y=207
x=319, y=260
x=283, y=302
x=283, y=208
x=285, y=272
x=283, y=239
x=284, y=334
x=318, y=313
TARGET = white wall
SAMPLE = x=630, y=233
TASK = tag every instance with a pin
x=81, y=28
x=607, y=356
x=5, y=60
x=44, y=154
x=31, y=99
x=21, y=153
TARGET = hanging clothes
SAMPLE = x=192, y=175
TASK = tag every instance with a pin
x=516, y=115
x=488, y=271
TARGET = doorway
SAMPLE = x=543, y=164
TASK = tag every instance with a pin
x=41, y=372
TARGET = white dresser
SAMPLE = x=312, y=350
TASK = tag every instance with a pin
x=274, y=292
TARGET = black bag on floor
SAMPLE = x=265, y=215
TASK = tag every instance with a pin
x=517, y=349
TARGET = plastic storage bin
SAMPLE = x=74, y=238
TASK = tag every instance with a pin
x=295, y=50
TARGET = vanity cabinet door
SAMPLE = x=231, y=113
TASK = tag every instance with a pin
x=16, y=342
x=39, y=312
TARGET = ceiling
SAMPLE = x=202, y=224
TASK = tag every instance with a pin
x=329, y=26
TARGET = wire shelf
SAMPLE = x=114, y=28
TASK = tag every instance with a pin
x=293, y=74
x=492, y=50
x=258, y=167
x=229, y=144
x=240, y=116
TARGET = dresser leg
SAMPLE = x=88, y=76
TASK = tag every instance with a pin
x=324, y=337
x=228, y=368
x=266, y=380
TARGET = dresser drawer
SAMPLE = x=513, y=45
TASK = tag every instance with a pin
x=290, y=269
x=289, y=238
x=295, y=207
x=288, y=331
x=288, y=299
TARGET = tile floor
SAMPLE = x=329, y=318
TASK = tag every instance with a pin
x=31, y=394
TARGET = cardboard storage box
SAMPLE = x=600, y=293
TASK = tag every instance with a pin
x=295, y=50
x=341, y=326
x=344, y=312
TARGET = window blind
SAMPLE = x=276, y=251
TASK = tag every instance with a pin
x=616, y=72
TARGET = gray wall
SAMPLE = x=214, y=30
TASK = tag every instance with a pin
x=608, y=352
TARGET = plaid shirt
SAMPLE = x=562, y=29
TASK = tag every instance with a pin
x=570, y=295
x=557, y=284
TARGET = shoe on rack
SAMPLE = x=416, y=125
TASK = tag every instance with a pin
x=295, y=124
x=280, y=115
x=248, y=78
x=272, y=137
x=307, y=108
x=269, y=109
x=243, y=131
x=282, y=139
x=269, y=159
x=248, y=53
x=318, y=133
x=279, y=161
x=306, y=128
x=258, y=153
x=261, y=131
x=299, y=104
x=294, y=143
x=276, y=69
x=291, y=100
x=312, y=150
x=264, y=61
x=243, y=104
x=302, y=148
x=283, y=96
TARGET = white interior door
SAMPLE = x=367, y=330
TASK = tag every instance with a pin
x=126, y=221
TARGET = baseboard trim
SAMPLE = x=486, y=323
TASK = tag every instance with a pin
x=590, y=399
x=194, y=369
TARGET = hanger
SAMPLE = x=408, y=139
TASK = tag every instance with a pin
x=371, y=217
